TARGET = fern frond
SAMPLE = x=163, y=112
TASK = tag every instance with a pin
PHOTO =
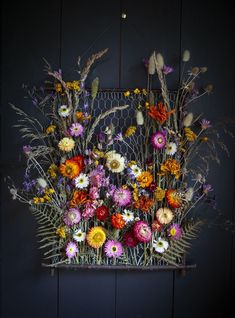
x=178, y=248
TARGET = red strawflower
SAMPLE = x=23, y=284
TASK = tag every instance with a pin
x=102, y=213
x=129, y=239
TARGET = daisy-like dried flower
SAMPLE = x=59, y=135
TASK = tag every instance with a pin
x=164, y=215
x=96, y=237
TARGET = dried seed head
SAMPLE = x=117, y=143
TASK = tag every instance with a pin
x=139, y=118
x=188, y=119
x=203, y=69
x=189, y=194
x=209, y=88
x=94, y=87
x=151, y=66
x=160, y=60
x=186, y=56
x=195, y=70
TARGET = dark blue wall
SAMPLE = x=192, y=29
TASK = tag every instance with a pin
x=60, y=31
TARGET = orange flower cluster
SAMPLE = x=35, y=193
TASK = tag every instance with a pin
x=79, y=197
x=71, y=168
x=173, y=198
x=117, y=221
x=144, y=203
x=82, y=117
x=145, y=179
x=171, y=166
x=159, y=112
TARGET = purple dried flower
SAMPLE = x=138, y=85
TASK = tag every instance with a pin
x=205, y=124
x=27, y=149
x=206, y=188
x=167, y=69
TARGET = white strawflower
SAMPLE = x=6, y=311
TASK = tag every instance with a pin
x=42, y=183
x=171, y=148
x=188, y=119
x=189, y=194
x=135, y=170
x=139, y=118
x=128, y=216
x=79, y=236
x=160, y=245
x=81, y=181
x=64, y=111
x=151, y=66
x=186, y=56
x=115, y=162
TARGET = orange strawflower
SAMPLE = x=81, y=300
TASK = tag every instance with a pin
x=117, y=221
x=79, y=197
x=173, y=198
x=79, y=160
x=144, y=203
x=170, y=166
x=159, y=113
x=70, y=169
x=145, y=179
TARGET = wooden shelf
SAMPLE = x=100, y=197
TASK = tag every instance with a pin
x=181, y=268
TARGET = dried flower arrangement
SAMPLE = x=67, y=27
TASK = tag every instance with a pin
x=122, y=194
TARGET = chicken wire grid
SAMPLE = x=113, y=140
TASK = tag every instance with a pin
x=132, y=149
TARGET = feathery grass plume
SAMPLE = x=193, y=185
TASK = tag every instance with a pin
x=159, y=63
x=94, y=87
x=101, y=117
x=90, y=62
x=186, y=56
x=160, y=60
x=151, y=66
x=188, y=119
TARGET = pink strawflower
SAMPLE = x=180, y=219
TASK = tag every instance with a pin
x=76, y=130
x=113, y=249
x=72, y=216
x=97, y=177
x=129, y=239
x=89, y=210
x=94, y=193
x=142, y=231
x=158, y=140
x=122, y=197
x=71, y=249
x=175, y=231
